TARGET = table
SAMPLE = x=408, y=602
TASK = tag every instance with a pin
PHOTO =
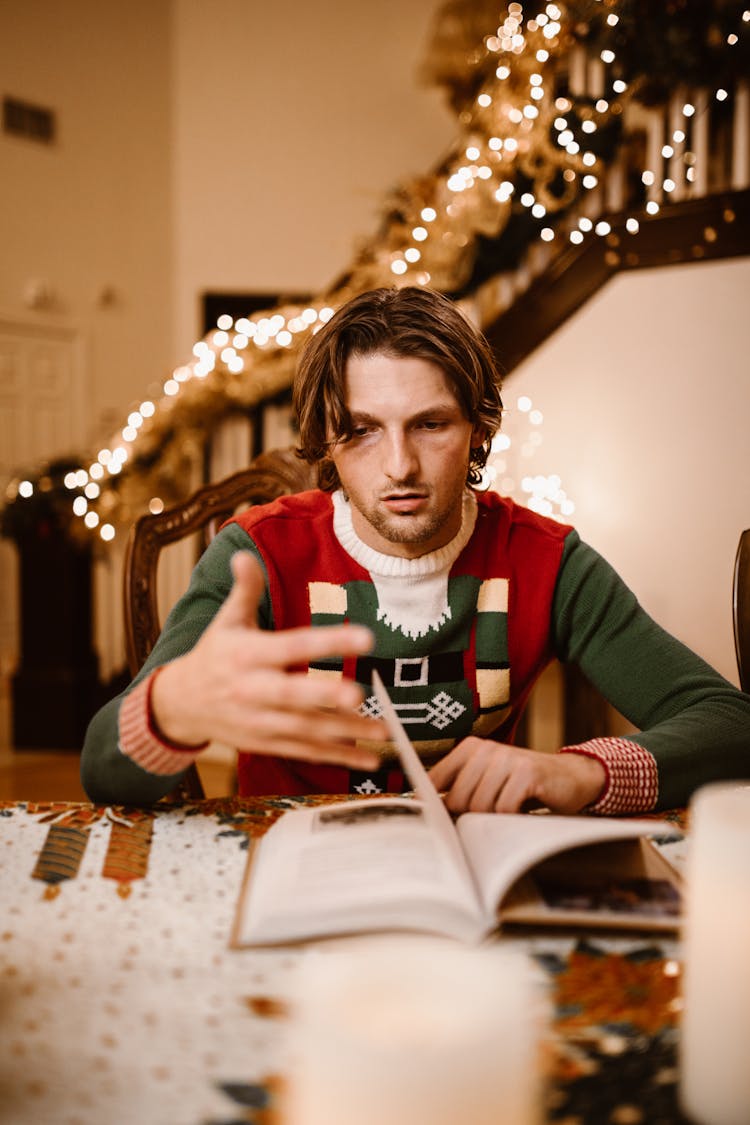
x=120, y=1000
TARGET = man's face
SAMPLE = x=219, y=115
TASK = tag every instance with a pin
x=404, y=468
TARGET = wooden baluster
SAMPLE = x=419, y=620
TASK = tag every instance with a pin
x=699, y=127
x=741, y=138
x=676, y=164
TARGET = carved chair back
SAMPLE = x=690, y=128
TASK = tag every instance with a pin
x=741, y=609
x=272, y=474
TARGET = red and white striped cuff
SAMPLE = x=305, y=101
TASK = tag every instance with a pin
x=140, y=740
x=632, y=784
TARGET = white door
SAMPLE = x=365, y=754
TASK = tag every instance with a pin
x=42, y=404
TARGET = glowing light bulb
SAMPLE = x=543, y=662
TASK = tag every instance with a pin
x=589, y=181
x=25, y=489
x=107, y=532
x=428, y=214
x=224, y=322
x=419, y=234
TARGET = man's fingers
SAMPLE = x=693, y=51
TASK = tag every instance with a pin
x=290, y=647
x=330, y=753
x=445, y=772
x=271, y=688
x=241, y=607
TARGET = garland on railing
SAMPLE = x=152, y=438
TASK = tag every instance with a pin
x=531, y=143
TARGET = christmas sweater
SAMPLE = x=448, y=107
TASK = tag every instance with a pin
x=461, y=635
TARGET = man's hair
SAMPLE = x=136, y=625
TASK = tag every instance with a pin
x=412, y=322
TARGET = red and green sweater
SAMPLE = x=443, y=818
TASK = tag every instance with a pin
x=461, y=635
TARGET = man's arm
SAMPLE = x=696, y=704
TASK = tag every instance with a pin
x=215, y=675
x=694, y=726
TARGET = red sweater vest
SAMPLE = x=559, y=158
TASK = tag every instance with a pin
x=295, y=538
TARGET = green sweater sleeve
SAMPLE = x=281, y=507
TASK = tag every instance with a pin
x=693, y=721
x=108, y=775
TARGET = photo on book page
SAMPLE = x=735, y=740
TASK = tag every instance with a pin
x=623, y=883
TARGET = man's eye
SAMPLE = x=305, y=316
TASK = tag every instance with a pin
x=431, y=424
x=362, y=431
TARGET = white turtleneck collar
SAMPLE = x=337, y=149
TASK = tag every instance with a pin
x=412, y=593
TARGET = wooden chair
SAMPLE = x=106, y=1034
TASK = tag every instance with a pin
x=741, y=609
x=272, y=474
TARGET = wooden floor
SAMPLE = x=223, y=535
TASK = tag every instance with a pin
x=52, y=775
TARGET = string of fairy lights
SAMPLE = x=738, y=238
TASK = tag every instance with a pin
x=518, y=130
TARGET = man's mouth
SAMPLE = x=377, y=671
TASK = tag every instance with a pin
x=404, y=502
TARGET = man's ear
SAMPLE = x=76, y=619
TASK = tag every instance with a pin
x=478, y=436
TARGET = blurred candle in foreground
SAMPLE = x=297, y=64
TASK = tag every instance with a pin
x=715, y=1047
x=416, y=1032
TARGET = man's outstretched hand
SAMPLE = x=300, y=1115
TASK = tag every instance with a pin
x=239, y=685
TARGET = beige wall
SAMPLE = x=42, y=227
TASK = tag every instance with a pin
x=90, y=214
x=229, y=146
x=646, y=399
x=292, y=121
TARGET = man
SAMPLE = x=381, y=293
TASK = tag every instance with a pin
x=458, y=597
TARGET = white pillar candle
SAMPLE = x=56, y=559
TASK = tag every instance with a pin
x=715, y=1047
x=416, y=1032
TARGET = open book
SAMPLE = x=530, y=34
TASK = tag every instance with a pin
x=401, y=863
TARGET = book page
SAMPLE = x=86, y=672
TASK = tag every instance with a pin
x=435, y=810
x=360, y=865
x=504, y=846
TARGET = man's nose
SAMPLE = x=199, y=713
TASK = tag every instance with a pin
x=400, y=457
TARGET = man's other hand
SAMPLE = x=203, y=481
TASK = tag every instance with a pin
x=483, y=776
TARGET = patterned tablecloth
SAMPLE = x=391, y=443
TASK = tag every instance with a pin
x=121, y=1002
